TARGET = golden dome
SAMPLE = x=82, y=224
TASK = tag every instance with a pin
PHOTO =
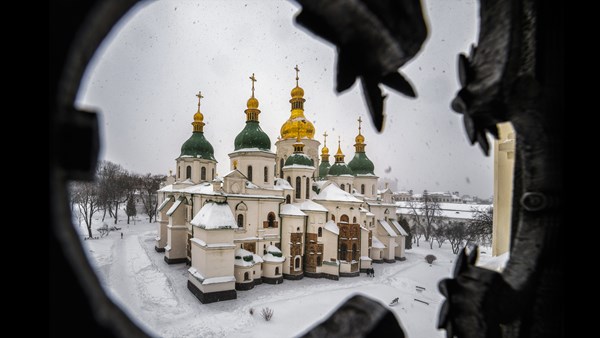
x=359, y=139
x=252, y=103
x=198, y=117
x=325, y=151
x=291, y=126
x=297, y=92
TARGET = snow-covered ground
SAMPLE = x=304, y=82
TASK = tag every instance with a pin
x=156, y=293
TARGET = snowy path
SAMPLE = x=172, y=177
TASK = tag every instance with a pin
x=156, y=293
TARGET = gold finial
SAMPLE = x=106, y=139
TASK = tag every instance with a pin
x=339, y=155
x=360, y=139
x=253, y=79
x=200, y=97
x=297, y=77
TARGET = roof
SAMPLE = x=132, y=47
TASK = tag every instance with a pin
x=339, y=169
x=198, y=146
x=332, y=227
x=202, y=188
x=252, y=136
x=291, y=210
x=399, y=227
x=175, y=206
x=215, y=216
x=299, y=159
x=309, y=205
x=324, y=169
x=333, y=193
x=282, y=184
x=361, y=164
x=376, y=243
x=387, y=227
x=164, y=203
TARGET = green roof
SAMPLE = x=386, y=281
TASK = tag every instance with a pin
x=361, y=165
x=198, y=146
x=324, y=169
x=299, y=159
x=338, y=169
x=252, y=136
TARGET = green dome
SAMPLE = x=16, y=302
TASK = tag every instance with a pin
x=324, y=169
x=338, y=169
x=198, y=146
x=252, y=137
x=299, y=159
x=361, y=165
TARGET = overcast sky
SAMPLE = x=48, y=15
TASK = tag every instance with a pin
x=144, y=78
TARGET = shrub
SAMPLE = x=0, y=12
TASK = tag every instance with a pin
x=267, y=313
x=430, y=258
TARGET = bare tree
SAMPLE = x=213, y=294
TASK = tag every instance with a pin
x=130, y=209
x=115, y=185
x=481, y=226
x=439, y=233
x=425, y=214
x=148, y=186
x=457, y=234
x=85, y=194
x=404, y=224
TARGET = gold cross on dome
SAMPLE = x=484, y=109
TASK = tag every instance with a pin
x=325, y=138
x=253, y=79
x=200, y=97
x=297, y=71
x=359, y=123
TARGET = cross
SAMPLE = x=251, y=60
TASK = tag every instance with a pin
x=200, y=97
x=359, y=122
x=297, y=78
x=325, y=138
x=253, y=79
x=339, y=141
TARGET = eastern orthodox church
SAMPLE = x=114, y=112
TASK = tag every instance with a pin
x=276, y=214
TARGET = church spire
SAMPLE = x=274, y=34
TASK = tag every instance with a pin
x=325, y=150
x=198, y=123
x=339, y=156
x=360, y=139
x=252, y=110
x=297, y=118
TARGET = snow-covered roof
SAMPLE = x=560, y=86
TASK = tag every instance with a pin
x=333, y=193
x=250, y=150
x=270, y=258
x=175, y=206
x=309, y=205
x=332, y=227
x=167, y=188
x=243, y=252
x=257, y=258
x=399, y=228
x=299, y=166
x=215, y=216
x=387, y=227
x=273, y=248
x=376, y=243
x=233, y=173
x=251, y=185
x=281, y=184
x=291, y=210
x=365, y=258
x=321, y=184
x=164, y=203
x=202, y=188
x=213, y=280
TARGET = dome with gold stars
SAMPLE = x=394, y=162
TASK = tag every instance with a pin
x=297, y=120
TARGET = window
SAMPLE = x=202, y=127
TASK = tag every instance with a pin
x=333, y=218
x=213, y=174
x=307, y=187
x=354, y=253
x=271, y=220
x=362, y=189
x=345, y=218
x=178, y=172
x=276, y=271
x=188, y=172
x=281, y=169
x=354, y=219
x=203, y=173
x=289, y=179
x=298, y=186
x=320, y=232
x=249, y=173
x=297, y=263
x=373, y=190
x=343, y=251
x=319, y=261
x=240, y=221
x=350, y=187
x=246, y=276
x=343, y=186
x=288, y=199
x=266, y=174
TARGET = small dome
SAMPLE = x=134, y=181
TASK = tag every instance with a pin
x=198, y=146
x=361, y=165
x=299, y=159
x=297, y=92
x=198, y=117
x=325, y=151
x=252, y=136
x=252, y=103
x=359, y=139
x=338, y=169
x=291, y=126
x=324, y=169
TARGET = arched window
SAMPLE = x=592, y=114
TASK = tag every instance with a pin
x=298, y=186
x=297, y=263
x=203, y=173
x=188, y=172
x=350, y=187
x=362, y=189
x=343, y=186
x=178, y=172
x=246, y=276
x=289, y=179
x=307, y=187
x=213, y=174
x=288, y=199
x=354, y=253
x=281, y=168
x=276, y=271
x=320, y=232
x=372, y=189
x=343, y=252
x=354, y=219
x=344, y=218
x=249, y=173
x=240, y=221
x=333, y=218
x=266, y=174
x=271, y=220
x=319, y=261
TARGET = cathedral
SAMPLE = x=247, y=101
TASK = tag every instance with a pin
x=275, y=215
